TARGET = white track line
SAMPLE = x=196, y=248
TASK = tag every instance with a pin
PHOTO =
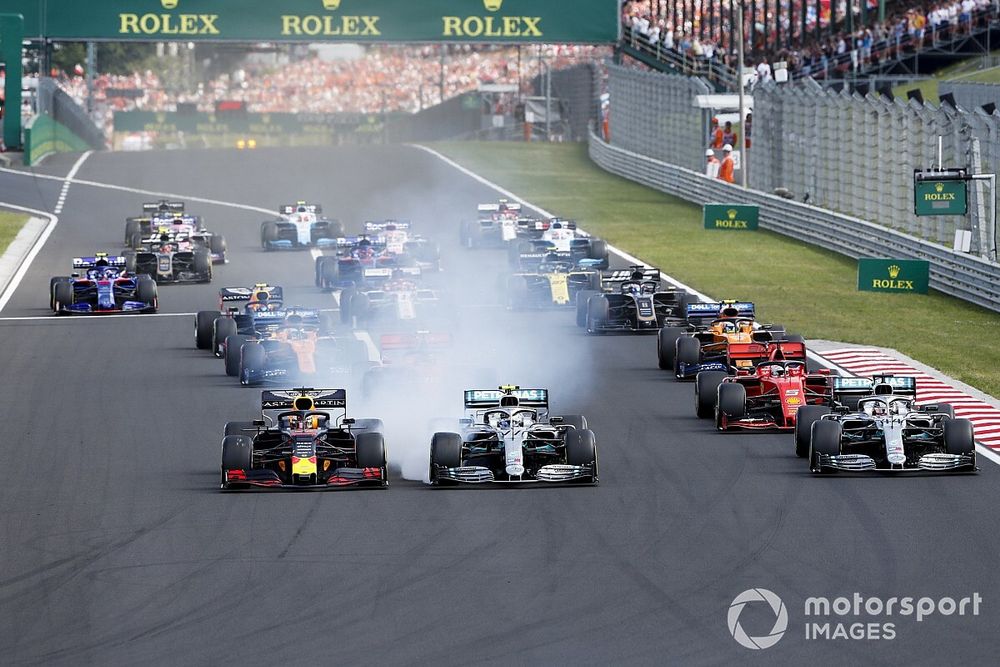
x=69, y=181
x=89, y=318
x=618, y=251
x=985, y=451
x=35, y=249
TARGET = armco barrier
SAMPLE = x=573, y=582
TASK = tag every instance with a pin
x=960, y=275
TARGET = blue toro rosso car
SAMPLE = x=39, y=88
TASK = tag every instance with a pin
x=100, y=285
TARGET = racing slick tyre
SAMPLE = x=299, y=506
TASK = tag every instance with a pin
x=370, y=450
x=945, y=408
x=777, y=331
x=136, y=241
x=334, y=230
x=805, y=417
x=52, y=289
x=320, y=271
x=204, y=326
x=360, y=309
x=666, y=346
x=599, y=250
x=517, y=292
x=239, y=428
x=582, y=297
x=824, y=439
x=514, y=250
x=145, y=291
x=217, y=245
x=346, y=295
x=597, y=313
x=793, y=338
x=131, y=227
x=330, y=273
x=268, y=233
x=222, y=328
x=62, y=295
x=446, y=452
x=959, y=437
x=706, y=392
x=578, y=422
x=237, y=454
x=252, y=358
x=233, y=346
x=202, y=265
x=130, y=260
x=581, y=449
x=732, y=403
x=688, y=351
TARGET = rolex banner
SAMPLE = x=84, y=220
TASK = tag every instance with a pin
x=893, y=275
x=516, y=21
x=730, y=216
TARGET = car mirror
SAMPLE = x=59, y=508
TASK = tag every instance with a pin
x=348, y=421
x=74, y=275
x=556, y=420
x=259, y=422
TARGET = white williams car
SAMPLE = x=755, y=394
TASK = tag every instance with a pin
x=507, y=436
x=300, y=225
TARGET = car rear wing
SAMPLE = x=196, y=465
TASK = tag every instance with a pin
x=858, y=386
x=236, y=294
x=387, y=225
x=385, y=273
x=781, y=350
x=288, y=209
x=305, y=315
x=713, y=309
x=163, y=205
x=634, y=273
x=420, y=340
x=350, y=241
x=303, y=399
x=490, y=398
x=91, y=262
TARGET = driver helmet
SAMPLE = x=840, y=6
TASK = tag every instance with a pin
x=745, y=326
x=293, y=421
x=777, y=370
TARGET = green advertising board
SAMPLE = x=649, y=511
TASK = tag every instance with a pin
x=947, y=197
x=517, y=21
x=730, y=216
x=907, y=276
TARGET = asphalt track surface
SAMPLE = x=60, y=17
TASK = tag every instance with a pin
x=116, y=546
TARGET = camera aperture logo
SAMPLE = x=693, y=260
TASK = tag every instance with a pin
x=858, y=617
x=780, y=618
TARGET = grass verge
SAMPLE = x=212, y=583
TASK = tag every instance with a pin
x=810, y=290
x=10, y=225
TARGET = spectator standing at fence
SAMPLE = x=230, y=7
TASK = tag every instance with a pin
x=716, y=137
x=727, y=166
x=711, y=164
x=728, y=136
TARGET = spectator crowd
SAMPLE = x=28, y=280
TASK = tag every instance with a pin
x=706, y=35
x=384, y=79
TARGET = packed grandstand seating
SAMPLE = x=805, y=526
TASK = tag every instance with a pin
x=385, y=79
x=908, y=26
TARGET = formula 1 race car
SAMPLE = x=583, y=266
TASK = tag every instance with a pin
x=888, y=432
x=240, y=308
x=846, y=394
x=170, y=257
x=411, y=249
x=177, y=225
x=391, y=294
x=497, y=224
x=142, y=225
x=560, y=237
x=769, y=396
x=702, y=341
x=508, y=437
x=304, y=440
x=300, y=225
x=556, y=281
x=296, y=351
x=631, y=301
x=105, y=288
